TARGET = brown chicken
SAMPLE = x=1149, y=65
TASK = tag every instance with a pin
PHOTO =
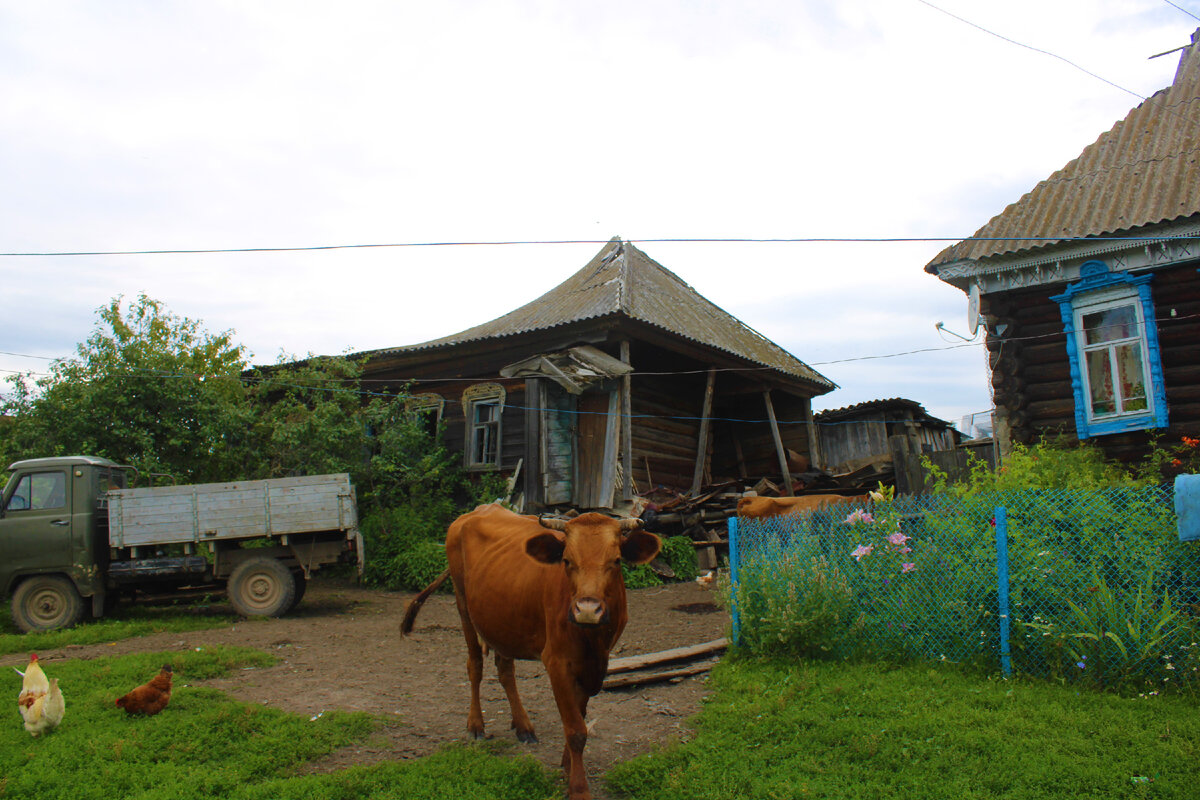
x=149, y=698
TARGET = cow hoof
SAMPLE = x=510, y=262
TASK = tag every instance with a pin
x=476, y=735
x=527, y=737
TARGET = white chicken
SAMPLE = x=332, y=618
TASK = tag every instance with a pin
x=40, y=702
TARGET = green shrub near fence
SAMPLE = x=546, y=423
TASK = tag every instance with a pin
x=1100, y=589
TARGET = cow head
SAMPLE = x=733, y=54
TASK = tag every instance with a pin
x=590, y=547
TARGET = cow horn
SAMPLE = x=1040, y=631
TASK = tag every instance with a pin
x=630, y=524
x=553, y=523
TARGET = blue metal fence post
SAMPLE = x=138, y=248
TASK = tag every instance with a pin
x=734, y=564
x=1002, y=587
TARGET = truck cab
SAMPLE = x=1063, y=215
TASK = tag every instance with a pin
x=53, y=537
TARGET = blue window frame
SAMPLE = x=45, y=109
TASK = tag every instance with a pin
x=1112, y=344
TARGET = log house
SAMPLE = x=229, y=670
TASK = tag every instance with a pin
x=1089, y=285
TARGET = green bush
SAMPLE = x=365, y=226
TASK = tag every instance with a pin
x=797, y=606
x=680, y=556
x=421, y=563
x=639, y=576
x=391, y=534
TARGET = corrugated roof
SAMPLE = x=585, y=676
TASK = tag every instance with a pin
x=884, y=406
x=1143, y=171
x=622, y=280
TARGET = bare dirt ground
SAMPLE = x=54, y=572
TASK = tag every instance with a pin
x=341, y=649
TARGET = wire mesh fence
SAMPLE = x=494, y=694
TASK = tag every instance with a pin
x=1083, y=586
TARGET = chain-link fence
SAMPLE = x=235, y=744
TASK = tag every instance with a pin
x=1091, y=586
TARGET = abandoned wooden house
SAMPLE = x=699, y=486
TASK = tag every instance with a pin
x=620, y=379
x=1089, y=286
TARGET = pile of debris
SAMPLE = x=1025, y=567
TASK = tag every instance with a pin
x=703, y=517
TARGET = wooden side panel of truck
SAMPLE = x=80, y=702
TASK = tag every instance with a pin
x=213, y=512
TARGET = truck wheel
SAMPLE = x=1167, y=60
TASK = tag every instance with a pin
x=46, y=602
x=301, y=585
x=262, y=587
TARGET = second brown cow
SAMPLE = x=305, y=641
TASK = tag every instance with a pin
x=548, y=590
x=766, y=507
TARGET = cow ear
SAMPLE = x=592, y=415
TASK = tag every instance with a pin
x=545, y=547
x=640, y=547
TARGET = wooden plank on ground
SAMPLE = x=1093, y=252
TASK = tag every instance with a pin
x=640, y=678
x=667, y=656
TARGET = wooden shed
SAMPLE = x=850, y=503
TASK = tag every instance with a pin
x=619, y=379
x=859, y=435
x=1089, y=287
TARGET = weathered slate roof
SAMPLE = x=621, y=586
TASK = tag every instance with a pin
x=1143, y=171
x=622, y=280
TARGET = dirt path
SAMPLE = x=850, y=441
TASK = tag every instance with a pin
x=341, y=649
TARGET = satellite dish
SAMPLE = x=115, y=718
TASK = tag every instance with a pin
x=973, y=308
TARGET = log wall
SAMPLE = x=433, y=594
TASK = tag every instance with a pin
x=1031, y=377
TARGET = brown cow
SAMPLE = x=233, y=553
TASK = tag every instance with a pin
x=548, y=590
x=766, y=507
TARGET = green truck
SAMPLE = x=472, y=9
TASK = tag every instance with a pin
x=75, y=534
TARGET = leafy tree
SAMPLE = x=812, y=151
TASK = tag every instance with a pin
x=154, y=390
x=147, y=388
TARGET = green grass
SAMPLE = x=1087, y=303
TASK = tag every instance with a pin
x=126, y=622
x=207, y=746
x=776, y=729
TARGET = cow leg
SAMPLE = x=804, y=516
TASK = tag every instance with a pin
x=474, y=671
x=520, y=720
x=571, y=702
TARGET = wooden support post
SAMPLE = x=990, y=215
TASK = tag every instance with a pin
x=533, y=442
x=779, y=451
x=705, y=428
x=814, y=437
x=627, y=427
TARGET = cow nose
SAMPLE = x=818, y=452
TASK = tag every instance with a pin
x=589, y=611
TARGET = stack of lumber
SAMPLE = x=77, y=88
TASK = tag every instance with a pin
x=680, y=662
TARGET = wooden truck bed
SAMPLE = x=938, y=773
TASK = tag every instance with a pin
x=209, y=512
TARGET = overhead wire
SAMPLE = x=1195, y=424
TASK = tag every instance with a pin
x=999, y=343
x=1181, y=8
x=634, y=240
x=1165, y=107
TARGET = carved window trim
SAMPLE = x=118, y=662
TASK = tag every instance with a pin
x=483, y=410
x=430, y=406
x=1100, y=289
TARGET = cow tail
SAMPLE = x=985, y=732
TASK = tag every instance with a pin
x=414, y=605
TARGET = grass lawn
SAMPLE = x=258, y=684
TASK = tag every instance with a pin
x=205, y=745
x=776, y=729
x=125, y=622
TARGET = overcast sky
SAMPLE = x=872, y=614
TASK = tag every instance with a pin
x=197, y=125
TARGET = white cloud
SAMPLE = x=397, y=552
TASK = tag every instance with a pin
x=133, y=125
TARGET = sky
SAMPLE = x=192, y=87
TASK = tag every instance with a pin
x=159, y=125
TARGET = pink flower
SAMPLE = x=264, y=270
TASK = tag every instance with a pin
x=859, y=516
x=897, y=539
x=862, y=550
x=907, y=566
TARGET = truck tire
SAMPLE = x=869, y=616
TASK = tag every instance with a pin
x=301, y=585
x=46, y=602
x=262, y=587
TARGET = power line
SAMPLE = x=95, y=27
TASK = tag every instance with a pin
x=1063, y=59
x=665, y=240
x=1181, y=8
x=1031, y=47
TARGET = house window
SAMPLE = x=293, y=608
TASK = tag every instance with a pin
x=1112, y=344
x=427, y=408
x=483, y=407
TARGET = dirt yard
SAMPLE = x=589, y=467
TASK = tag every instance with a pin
x=341, y=649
